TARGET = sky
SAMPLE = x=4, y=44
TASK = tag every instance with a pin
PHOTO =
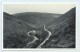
x=43, y=8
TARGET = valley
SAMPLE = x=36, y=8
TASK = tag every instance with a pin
x=39, y=30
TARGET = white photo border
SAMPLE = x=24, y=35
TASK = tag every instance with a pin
x=47, y=49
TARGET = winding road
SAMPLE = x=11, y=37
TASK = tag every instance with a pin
x=49, y=34
x=32, y=41
x=35, y=38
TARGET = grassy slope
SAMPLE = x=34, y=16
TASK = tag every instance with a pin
x=15, y=32
x=36, y=18
x=63, y=31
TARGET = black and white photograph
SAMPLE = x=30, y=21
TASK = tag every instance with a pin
x=39, y=26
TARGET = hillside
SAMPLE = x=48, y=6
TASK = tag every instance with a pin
x=15, y=32
x=63, y=31
x=26, y=30
x=36, y=18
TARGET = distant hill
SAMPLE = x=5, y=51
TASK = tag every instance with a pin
x=36, y=18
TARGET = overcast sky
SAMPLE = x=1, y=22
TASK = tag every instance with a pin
x=45, y=8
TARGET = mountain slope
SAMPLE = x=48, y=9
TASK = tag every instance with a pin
x=15, y=32
x=63, y=31
x=62, y=18
x=36, y=18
